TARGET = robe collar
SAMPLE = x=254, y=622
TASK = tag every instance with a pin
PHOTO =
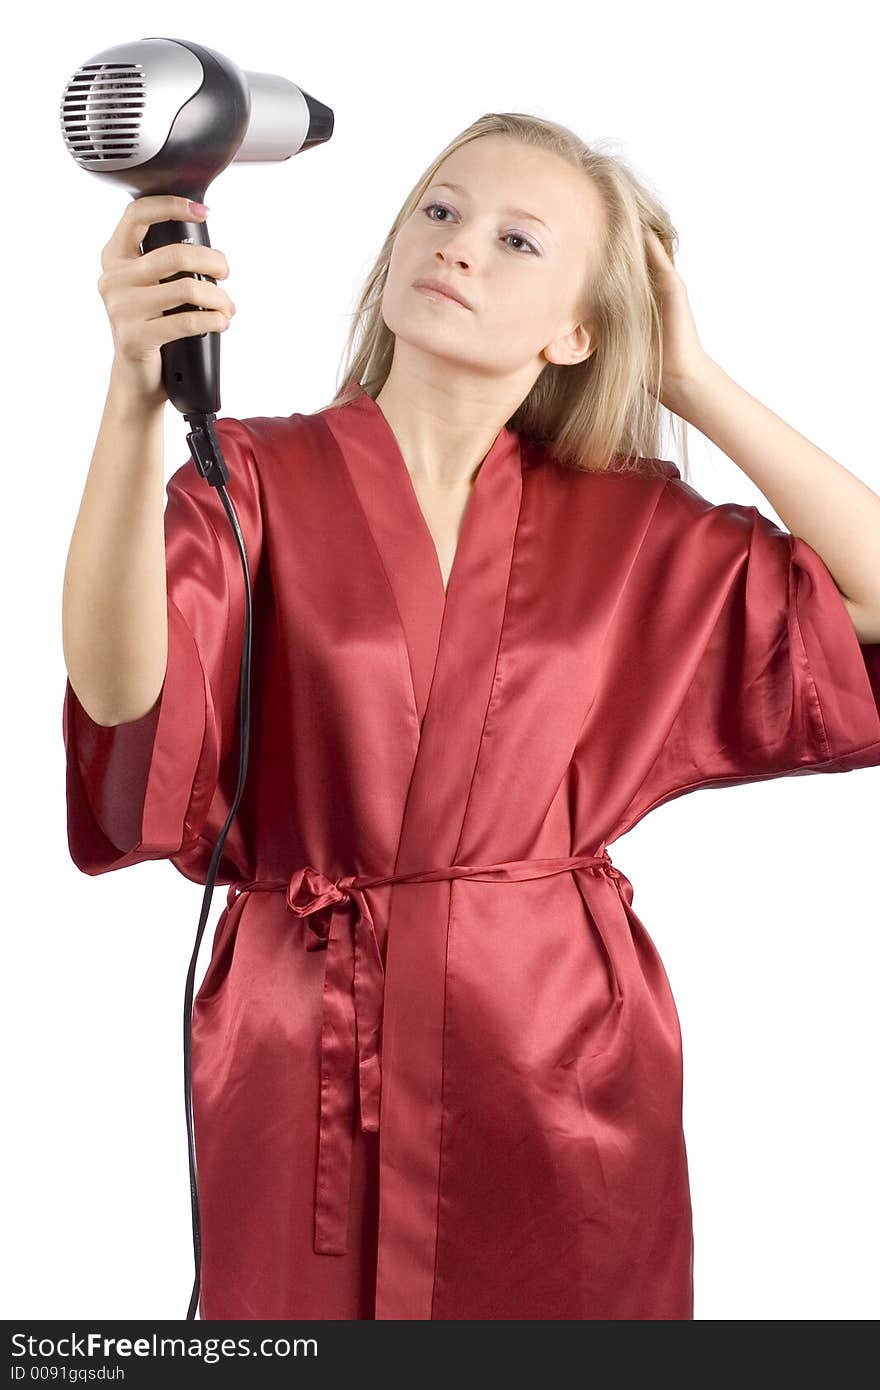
x=406, y=547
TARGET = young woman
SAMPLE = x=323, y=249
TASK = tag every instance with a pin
x=436, y=1059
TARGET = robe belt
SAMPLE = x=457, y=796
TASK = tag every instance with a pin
x=352, y=1008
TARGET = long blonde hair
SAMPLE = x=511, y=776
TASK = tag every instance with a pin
x=593, y=415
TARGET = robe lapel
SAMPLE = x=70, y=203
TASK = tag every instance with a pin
x=404, y=543
x=449, y=636
x=452, y=641
x=453, y=647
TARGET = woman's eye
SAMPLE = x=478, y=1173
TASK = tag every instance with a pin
x=531, y=250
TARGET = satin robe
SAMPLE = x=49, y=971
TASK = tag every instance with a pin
x=437, y=1065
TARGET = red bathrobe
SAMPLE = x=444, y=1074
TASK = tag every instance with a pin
x=437, y=1063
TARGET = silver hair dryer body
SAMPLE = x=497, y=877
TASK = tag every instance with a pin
x=167, y=116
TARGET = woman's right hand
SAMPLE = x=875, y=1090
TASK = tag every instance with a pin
x=135, y=299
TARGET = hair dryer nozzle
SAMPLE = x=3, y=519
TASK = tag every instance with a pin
x=285, y=120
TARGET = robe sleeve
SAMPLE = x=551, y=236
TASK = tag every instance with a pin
x=162, y=786
x=766, y=674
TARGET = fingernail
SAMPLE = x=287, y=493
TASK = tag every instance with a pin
x=200, y=209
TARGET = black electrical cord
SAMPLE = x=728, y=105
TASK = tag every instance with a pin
x=208, y=456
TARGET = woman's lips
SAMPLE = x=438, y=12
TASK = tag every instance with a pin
x=438, y=295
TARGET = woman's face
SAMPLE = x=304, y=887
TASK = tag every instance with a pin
x=521, y=275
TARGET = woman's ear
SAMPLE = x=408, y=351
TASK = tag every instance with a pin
x=572, y=347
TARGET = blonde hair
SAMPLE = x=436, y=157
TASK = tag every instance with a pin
x=602, y=413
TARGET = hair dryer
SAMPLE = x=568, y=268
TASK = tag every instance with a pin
x=167, y=116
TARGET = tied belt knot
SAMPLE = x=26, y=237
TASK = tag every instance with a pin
x=354, y=979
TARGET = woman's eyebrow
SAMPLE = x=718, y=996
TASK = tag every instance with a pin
x=517, y=212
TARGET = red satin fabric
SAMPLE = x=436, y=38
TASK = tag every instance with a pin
x=352, y=1013
x=436, y=1058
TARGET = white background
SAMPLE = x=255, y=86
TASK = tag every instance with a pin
x=756, y=126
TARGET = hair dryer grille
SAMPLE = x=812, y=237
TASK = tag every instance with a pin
x=101, y=111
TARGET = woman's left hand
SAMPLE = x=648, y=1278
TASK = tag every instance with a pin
x=683, y=355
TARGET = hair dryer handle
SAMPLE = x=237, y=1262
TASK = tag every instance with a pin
x=190, y=365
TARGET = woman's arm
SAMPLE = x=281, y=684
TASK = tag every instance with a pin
x=114, y=623
x=817, y=498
